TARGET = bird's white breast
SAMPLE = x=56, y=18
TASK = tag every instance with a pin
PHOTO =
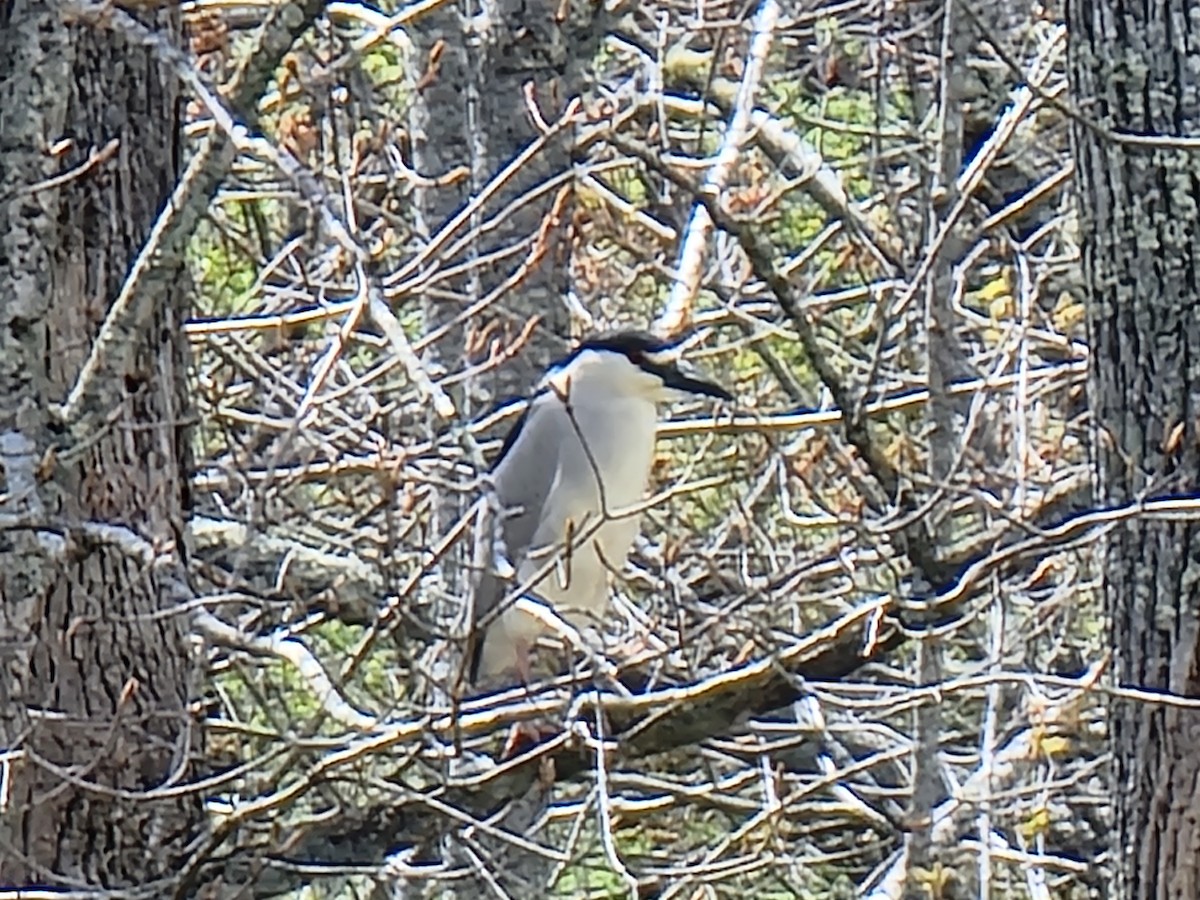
x=595, y=492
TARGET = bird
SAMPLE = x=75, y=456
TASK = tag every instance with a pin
x=566, y=483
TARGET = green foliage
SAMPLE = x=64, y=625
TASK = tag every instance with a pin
x=374, y=675
x=630, y=182
x=383, y=64
x=592, y=874
x=223, y=273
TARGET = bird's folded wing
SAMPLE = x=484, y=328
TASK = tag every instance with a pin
x=523, y=478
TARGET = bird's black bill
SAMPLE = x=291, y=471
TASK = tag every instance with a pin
x=679, y=381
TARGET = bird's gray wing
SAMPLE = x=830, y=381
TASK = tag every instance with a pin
x=523, y=476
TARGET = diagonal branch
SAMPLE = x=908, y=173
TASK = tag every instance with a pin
x=678, y=309
x=759, y=252
x=638, y=725
x=641, y=725
x=162, y=254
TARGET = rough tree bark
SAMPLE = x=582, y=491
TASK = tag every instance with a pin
x=1134, y=73
x=478, y=67
x=94, y=679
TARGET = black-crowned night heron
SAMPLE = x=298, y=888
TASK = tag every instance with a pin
x=568, y=482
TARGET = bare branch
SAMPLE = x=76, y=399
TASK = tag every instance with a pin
x=676, y=313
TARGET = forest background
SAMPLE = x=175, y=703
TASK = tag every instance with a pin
x=918, y=614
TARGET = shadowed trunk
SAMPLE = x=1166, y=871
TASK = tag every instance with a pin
x=490, y=80
x=95, y=679
x=1133, y=68
x=485, y=75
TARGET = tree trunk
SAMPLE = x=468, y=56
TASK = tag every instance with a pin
x=1134, y=72
x=94, y=684
x=472, y=112
x=479, y=67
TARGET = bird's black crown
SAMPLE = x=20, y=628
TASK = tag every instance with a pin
x=631, y=342
x=654, y=355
